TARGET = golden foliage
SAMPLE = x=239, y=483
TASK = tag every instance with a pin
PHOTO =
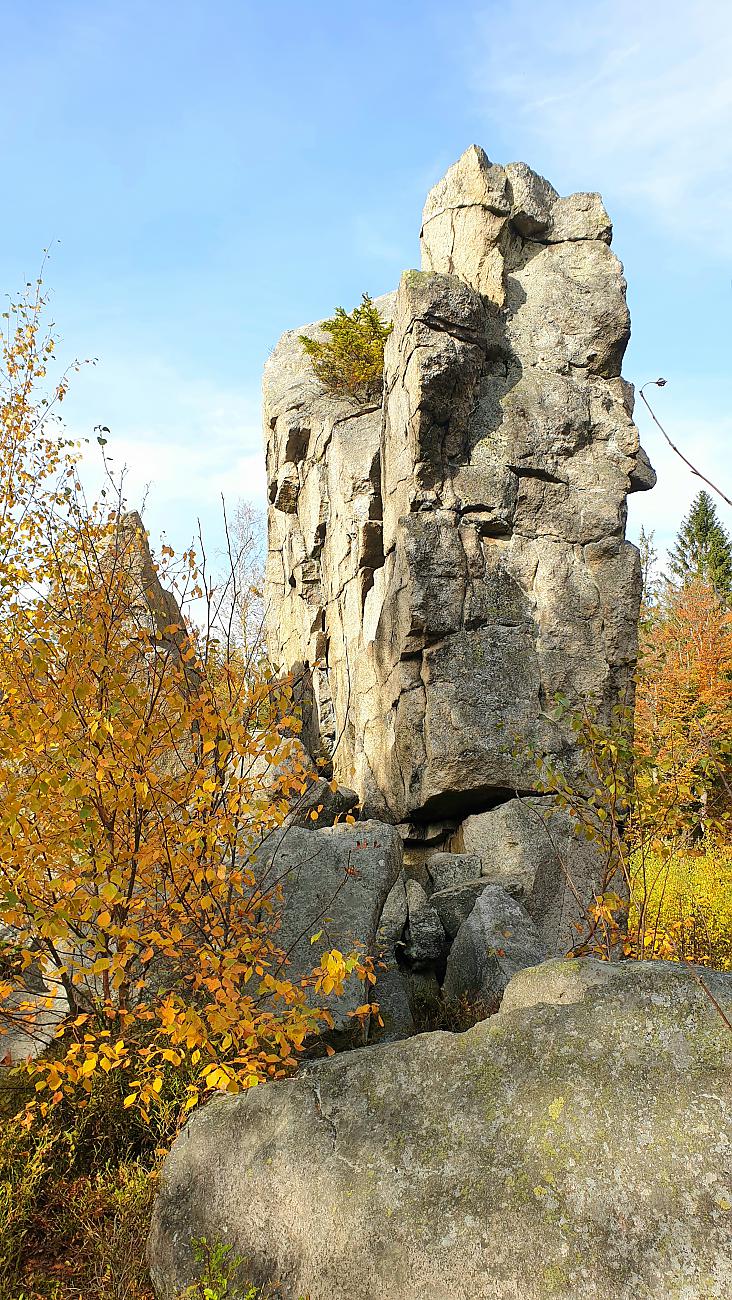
x=684, y=704
x=689, y=896
x=136, y=927
x=654, y=792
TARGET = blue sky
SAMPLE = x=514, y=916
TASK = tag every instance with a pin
x=219, y=172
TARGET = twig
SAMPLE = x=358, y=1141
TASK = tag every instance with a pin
x=720, y=1010
x=659, y=383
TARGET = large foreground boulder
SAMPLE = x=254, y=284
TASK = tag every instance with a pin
x=576, y=1145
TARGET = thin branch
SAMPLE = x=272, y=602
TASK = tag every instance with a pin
x=659, y=383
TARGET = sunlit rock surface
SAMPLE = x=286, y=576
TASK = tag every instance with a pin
x=446, y=561
x=576, y=1145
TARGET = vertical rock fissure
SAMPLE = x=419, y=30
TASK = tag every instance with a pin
x=460, y=549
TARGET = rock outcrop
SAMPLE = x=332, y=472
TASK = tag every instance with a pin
x=445, y=562
x=576, y=1145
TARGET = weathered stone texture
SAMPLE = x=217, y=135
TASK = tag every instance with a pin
x=335, y=882
x=443, y=564
x=576, y=1146
x=495, y=941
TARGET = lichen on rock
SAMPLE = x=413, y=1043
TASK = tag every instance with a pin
x=575, y=1145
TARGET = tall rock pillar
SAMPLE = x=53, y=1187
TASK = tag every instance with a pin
x=449, y=560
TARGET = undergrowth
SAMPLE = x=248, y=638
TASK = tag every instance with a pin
x=76, y=1189
x=688, y=897
x=454, y=1016
x=74, y=1210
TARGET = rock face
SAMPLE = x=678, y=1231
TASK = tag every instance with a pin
x=576, y=1145
x=335, y=882
x=531, y=848
x=444, y=563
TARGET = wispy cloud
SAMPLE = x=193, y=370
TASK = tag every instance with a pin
x=182, y=442
x=636, y=95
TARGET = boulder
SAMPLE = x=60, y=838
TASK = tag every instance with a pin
x=534, y=850
x=335, y=882
x=497, y=939
x=454, y=905
x=31, y=1015
x=391, y=991
x=532, y=201
x=449, y=870
x=425, y=940
x=575, y=1146
x=321, y=804
x=581, y=216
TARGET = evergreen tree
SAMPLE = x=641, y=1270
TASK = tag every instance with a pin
x=703, y=549
x=649, y=569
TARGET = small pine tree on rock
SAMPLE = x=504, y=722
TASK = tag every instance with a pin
x=703, y=549
x=351, y=361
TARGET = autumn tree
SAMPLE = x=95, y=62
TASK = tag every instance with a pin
x=703, y=549
x=137, y=929
x=684, y=703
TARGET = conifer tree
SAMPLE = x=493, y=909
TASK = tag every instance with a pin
x=649, y=571
x=703, y=549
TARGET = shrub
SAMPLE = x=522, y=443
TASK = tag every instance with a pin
x=689, y=897
x=351, y=361
x=133, y=924
x=137, y=940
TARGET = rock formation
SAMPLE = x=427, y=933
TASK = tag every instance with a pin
x=441, y=565
x=445, y=562
x=335, y=882
x=576, y=1145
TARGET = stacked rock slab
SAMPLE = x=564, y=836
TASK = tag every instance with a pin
x=444, y=562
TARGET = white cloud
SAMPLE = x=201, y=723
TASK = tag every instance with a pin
x=636, y=95
x=182, y=442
